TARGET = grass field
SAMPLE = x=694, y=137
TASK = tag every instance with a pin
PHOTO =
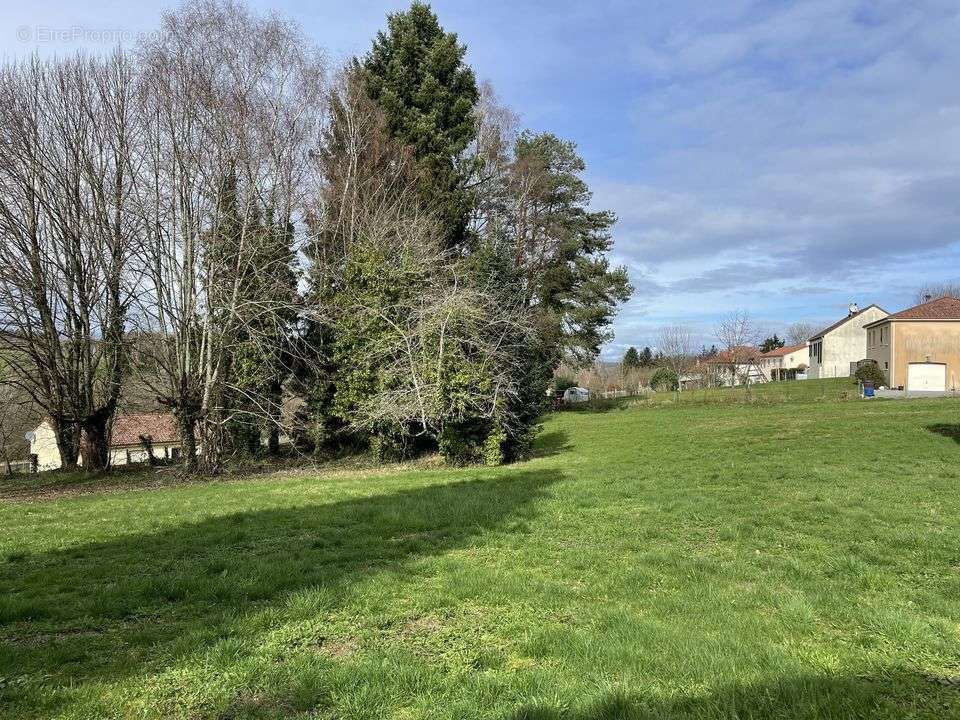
x=794, y=557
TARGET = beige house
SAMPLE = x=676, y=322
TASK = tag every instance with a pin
x=918, y=349
x=130, y=436
x=836, y=350
x=784, y=363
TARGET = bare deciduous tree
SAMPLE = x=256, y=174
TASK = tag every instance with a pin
x=17, y=415
x=66, y=234
x=232, y=101
x=738, y=337
x=799, y=332
x=675, y=342
x=932, y=291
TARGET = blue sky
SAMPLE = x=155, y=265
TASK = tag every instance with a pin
x=782, y=157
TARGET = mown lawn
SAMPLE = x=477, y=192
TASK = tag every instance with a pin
x=796, y=559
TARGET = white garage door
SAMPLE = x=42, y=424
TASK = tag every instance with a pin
x=926, y=376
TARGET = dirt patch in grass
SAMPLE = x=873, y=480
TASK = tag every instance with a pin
x=337, y=647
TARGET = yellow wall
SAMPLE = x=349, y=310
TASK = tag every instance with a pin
x=922, y=341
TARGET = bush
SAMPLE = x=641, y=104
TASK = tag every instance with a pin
x=664, y=379
x=562, y=382
x=871, y=372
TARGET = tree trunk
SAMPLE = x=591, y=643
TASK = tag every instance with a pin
x=187, y=424
x=68, y=442
x=211, y=454
x=95, y=441
x=273, y=440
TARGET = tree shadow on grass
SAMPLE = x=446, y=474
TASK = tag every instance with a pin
x=110, y=609
x=551, y=443
x=948, y=430
x=893, y=695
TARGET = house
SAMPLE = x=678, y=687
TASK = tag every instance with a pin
x=918, y=349
x=735, y=366
x=128, y=441
x=784, y=363
x=835, y=351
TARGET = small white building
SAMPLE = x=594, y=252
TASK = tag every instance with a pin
x=576, y=395
x=835, y=351
x=129, y=438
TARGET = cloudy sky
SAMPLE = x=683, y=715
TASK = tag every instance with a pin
x=786, y=158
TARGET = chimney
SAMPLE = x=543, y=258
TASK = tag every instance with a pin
x=853, y=309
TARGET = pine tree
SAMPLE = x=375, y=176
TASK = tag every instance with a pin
x=772, y=343
x=646, y=357
x=631, y=359
x=416, y=73
x=563, y=245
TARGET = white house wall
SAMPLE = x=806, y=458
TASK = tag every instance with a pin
x=44, y=446
x=844, y=345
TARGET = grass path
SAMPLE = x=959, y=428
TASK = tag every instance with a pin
x=791, y=560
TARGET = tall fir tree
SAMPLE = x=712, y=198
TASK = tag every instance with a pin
x=416, y=73
x=563, y=245
x=631, y=359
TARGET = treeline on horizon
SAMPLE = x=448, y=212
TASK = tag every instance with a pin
x=222, y=218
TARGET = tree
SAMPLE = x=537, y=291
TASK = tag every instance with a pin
x=233, y=102
x=562, y=245
x=67, y=233
x=17, y=415
x=665, y=379
x=676, y=344
x=631, y=359
x=428, y=348
x=646, y=357
x=416, y=74
x=738, y=337
x=771, y=343
x=800, y=332
x=933, y=291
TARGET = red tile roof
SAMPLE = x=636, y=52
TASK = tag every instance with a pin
x=781, y=352
x=945, y=308
x=159, y=427
x=741, y=353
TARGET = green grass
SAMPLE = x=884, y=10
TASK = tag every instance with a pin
x=790, y=391
x=795, y=558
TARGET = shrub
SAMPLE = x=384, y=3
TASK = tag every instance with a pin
x=871, y=372
x=664, y=379
x=562, y=382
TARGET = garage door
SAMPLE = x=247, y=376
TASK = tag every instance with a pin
x=926, y=376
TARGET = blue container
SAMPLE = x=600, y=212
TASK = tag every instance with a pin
x=867, y=388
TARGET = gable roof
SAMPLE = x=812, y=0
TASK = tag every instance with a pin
x=127, y=429
x=847, y=319
x=944, y=308
x=739, y=353
x=781, y=352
